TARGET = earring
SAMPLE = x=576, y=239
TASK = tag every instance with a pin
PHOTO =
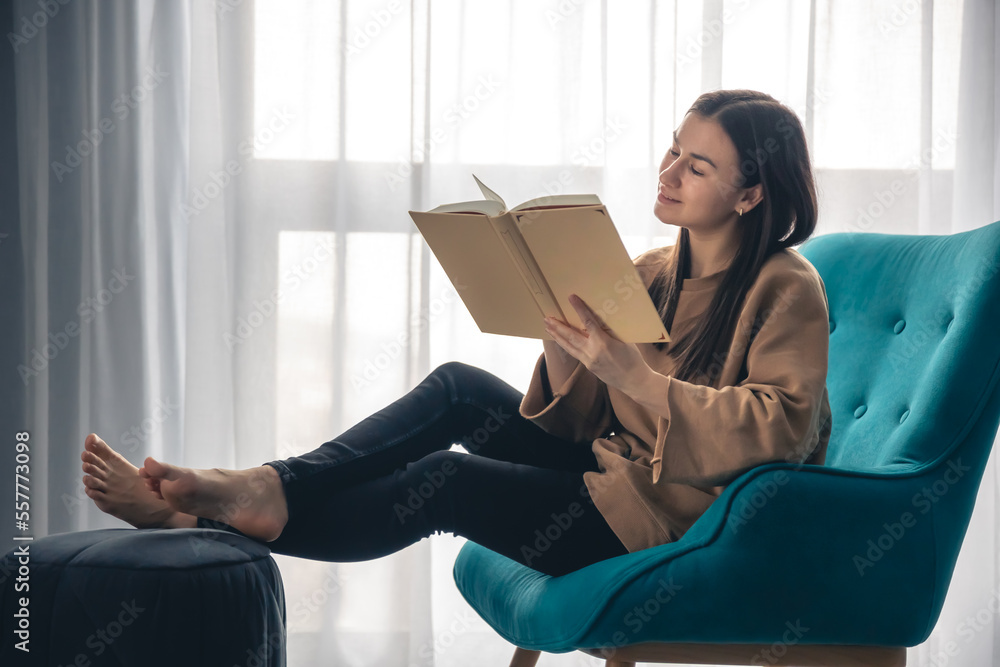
x=741, y=213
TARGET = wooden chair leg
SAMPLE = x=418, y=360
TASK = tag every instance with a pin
x=524, y=658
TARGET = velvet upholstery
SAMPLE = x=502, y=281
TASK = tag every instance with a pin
x=125, y=597
x=858, y=551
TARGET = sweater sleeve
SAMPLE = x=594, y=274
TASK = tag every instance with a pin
x=708, y=436
x=580, y=410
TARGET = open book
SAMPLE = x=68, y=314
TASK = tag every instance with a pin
x=514, y=268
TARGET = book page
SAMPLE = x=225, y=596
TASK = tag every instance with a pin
x=486, y=207
x=489, y=194
x=554, y=201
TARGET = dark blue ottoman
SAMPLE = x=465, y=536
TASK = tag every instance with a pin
x=126, y=597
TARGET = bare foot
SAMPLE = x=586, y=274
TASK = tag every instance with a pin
x=251, y=500
x=117, y=489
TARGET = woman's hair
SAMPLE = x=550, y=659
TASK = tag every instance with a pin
x=771, y=150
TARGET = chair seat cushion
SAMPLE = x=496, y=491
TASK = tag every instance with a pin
x=143, y=597
x=538, y=611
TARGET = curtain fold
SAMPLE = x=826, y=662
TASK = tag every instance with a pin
x=968, y=630
x=220, y=271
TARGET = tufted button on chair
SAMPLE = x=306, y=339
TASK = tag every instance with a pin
x=842, y=564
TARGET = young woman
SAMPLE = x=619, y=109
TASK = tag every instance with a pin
x=615, y=447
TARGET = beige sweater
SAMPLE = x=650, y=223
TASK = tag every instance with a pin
x=660, y=472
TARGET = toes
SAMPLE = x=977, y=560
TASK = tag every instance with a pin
x=94, y=470
x=154, y=487
x=152, y=483
x=95, y=460
x=94, y=483
x=160, y=470
x=99, y=498
x=98, y=446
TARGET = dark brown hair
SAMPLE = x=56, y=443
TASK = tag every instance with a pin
x=771, y=149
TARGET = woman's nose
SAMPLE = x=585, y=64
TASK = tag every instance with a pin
x=668, y=175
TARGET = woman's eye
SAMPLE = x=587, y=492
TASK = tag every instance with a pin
x=693, y=170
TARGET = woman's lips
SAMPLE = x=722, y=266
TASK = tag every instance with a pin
x=665, y=200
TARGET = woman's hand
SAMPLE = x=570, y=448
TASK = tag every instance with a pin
x=617, y=364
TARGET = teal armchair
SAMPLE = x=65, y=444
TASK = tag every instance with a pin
x=842, y=564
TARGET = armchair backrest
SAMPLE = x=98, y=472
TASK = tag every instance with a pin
x=914, y=371
x=914, y=342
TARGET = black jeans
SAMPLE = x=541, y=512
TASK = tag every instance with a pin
x=392, y=480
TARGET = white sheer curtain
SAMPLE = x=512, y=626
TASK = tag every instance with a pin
x=213, y=204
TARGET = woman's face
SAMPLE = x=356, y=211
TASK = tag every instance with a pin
x=699, y=176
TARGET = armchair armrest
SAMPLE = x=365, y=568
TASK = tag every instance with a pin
x=785, y=544
x=857, y=545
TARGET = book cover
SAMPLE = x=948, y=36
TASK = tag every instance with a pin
x=512, y=268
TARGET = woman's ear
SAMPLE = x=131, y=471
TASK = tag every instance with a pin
x=751, y=197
